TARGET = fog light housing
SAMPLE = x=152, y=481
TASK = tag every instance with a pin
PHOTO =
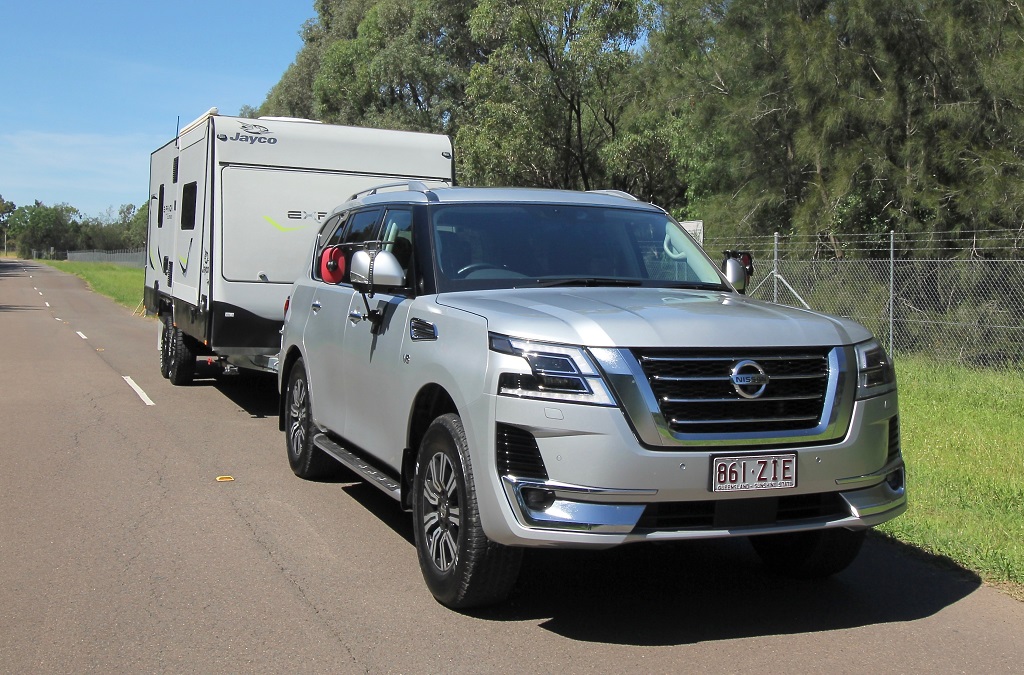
x=538, y=499
x=895, y=479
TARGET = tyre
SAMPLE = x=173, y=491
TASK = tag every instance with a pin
x=166, y=329
x=809, y=555
x=306, y=460
x=461, y=566
x=182, y=367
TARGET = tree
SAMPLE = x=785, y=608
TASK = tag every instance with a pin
x=6, y=209
x=405, y=68
x=553, y=92
x=856, y=116
x=40, y=228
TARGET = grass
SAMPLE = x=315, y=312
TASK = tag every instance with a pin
x=123, y=284
x=962, y=439
x=961, y=433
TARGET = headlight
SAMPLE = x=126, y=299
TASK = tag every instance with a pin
x=557, y=372
x=875, y=372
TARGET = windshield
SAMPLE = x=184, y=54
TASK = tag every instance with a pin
x=522, y=245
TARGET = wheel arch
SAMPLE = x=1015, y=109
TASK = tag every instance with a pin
x=285, y=369
x=432, y=401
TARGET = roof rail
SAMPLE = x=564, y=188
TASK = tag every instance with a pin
x=615, y=193
x=411, y=185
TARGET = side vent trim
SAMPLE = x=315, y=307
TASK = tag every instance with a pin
x=421, y=331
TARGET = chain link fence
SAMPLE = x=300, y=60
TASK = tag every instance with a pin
x=919, y=296
x=135, y=257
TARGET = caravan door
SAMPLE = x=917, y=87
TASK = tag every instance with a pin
x=192, y=226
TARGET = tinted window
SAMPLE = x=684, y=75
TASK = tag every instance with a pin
x=512, y=245
x=188, y=206
x=160, y=207
x=350, y=230
x=361, y=227
x=396, y=235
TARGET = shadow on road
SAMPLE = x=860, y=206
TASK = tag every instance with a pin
x=252, y=391
x=688, y=592
x=13, y=267
x=10, y=267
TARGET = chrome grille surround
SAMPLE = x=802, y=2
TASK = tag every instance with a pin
x=692, y=397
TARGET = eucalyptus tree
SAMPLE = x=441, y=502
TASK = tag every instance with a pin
x=555, y=90
x=405, y=68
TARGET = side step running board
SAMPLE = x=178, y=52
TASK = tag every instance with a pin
x=373, y=476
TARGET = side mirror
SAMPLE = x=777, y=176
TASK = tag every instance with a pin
x=738, y=267
x=735, y=273
x=372, y=270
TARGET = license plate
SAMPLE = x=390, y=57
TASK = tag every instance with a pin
x=753, y=472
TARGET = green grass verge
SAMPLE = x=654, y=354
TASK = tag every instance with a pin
x=123, y=284
x=961, y=434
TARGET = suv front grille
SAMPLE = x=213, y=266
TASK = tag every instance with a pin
x=742, y=512
x=696, y=392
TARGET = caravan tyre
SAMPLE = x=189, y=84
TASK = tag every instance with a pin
x=166, y=329
x=307, y=460
x=182, y=368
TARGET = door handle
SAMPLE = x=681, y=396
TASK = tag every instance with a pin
x=316, y=305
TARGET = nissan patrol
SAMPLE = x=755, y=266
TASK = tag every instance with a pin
x=525, y=367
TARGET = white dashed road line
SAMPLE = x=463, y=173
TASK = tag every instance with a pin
x=81, y=335
x=138, y=390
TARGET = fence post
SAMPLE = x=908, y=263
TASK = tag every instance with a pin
x=775, y=271
x=892, y=285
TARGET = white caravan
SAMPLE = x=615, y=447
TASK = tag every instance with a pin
x=235, y=206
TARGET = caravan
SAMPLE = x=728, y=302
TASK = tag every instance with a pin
x=235, y=206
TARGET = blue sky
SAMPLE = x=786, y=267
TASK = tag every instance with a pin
x=89, y=89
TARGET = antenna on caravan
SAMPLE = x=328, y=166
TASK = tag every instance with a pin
x=177, y=130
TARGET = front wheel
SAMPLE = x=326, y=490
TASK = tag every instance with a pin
x=461, y=566
x=809, y=555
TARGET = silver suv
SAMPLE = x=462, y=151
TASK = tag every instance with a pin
x=524, y=367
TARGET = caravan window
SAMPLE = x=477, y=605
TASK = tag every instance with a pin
x=188, y=206
x=160, y=207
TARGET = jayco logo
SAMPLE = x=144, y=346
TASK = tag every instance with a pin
x=251, y=134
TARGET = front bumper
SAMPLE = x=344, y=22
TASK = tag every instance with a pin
x=548, y=505
x=602, y=487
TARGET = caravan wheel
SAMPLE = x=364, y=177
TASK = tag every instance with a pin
x=165, y=345
x=182, y=368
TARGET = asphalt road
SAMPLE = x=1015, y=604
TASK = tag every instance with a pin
x=121, y=552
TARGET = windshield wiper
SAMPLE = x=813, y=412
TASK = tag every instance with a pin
x=695, y=285
x=589, y=282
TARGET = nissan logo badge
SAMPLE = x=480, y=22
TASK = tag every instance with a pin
x=748, y=379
